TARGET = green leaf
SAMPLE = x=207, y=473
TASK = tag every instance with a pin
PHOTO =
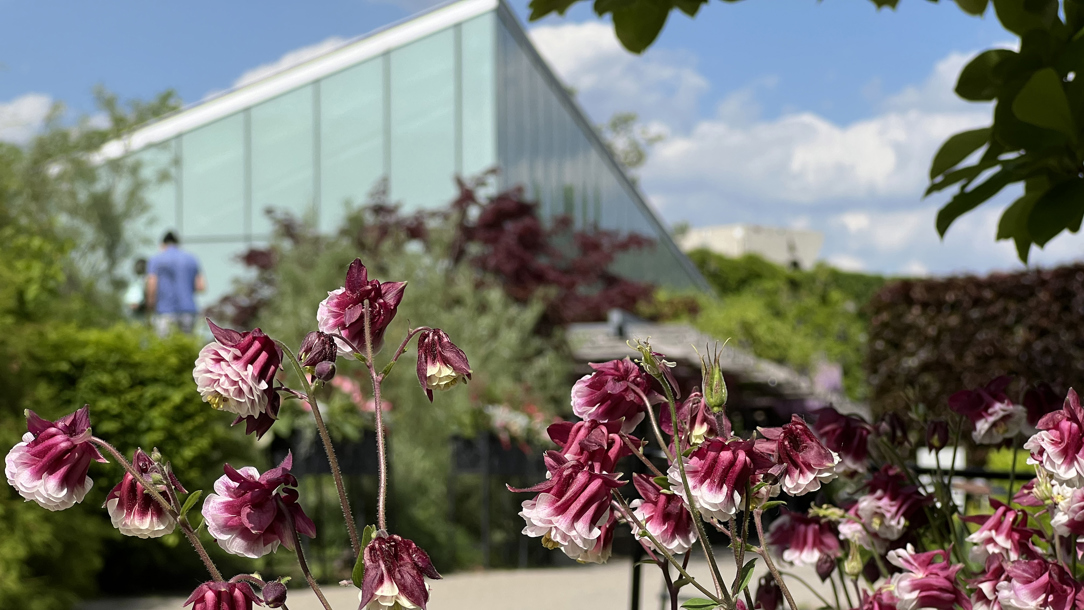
x=973, y=7
x=978, y=82
x=689, y=7
x=190, y=501
x=387, y=369
x=747, y=574
x=1022, y=16
x=1042, y=103
x=358, y=573
x=1014, y=224
x=662, y=482
x=965, y=201
x=699, y=603
x=681, y=582
x=639, y=22
x=772, y=504
x=960, y=175
x=956, y=149
x=1060, y=208
x=541, y=8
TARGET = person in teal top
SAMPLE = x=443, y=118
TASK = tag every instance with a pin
x=173, y=279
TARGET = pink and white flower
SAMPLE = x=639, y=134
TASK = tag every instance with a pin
x=1068, y=514
x=1059, y=445
x=343, y=311
x=1003, y=534
x=882, y=599
x=236, y=372
x=664, y=516
x=135, y=512
x=993, y=414
x=886, y=510
x=603, y=548
x=805, y=463
x=597, y=444
x=695, y=422
x=571, y=507
x=1037, y=585
x=803, y=540
x=249, y=515
x=847, y=436
x=719, y=472
x=984, y=597
x=612, y=393
x=213, y=595
x=926, y=582
x=51, y=463
x=441, y=365
x=395, y=571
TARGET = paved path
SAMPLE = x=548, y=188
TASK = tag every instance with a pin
x=603, y=587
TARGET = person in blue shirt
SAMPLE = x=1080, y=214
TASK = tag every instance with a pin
x=173, y=279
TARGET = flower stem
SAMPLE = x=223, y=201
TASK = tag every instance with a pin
x=329, y=449
x=810, y=587
x=640, y=454
x=843, y=581
x=301, y=556
x=1012, y=475
x=763, y=552
x=172, y=511
x=378, y=408
x=654, y=424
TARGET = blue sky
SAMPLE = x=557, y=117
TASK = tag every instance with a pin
x=800, y=113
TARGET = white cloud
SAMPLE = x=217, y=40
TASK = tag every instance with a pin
x=915, y=268
x=289, y=60
x=660, y=84
x=23, y=117
x=846, y=262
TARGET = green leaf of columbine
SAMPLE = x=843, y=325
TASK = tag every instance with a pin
x=699, y=603
x=747, y=574
x=190, y=501
x=358, y=573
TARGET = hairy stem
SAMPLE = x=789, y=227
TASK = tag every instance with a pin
x=655, y=424
x=763, y=552
x=640, y=454
x=301, y=557
x=378, y=408
x=810, y=587
x=173, y=512
x=329, y=450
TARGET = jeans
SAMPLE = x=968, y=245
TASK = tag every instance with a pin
x=164, y=323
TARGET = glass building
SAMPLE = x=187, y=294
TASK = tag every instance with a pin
x=454, y=91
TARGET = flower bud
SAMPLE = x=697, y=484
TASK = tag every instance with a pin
x=711, y=372
x=324, y=371
x=853, y=564
x=825, y=566
x=316, y=348
x=274, y=594
x=936, y=434
x=441, y=365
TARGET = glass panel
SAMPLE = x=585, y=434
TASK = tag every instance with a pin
x=351, y=138
x=213, y=179
x=282, y=158
x=423, y=122
x=479, y=96
x=220, y=265
x=157, y=170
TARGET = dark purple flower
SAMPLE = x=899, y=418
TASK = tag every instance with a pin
x=1037, y=584
x=236, y=372
x=826, y=564
x=50, y=465
x=802, y=540
x=1025, y=496
x=805, y=462
x=718, y=473
x=395, y=571
x=223, y=596
x=1058, y=446
x=1004, y=533
x=609, y=394
x=274, y=594
x=846, y=435
x=316, y=348
x=132, y=510
x=769, y=596
x=250, y=515
x=936, y=434
x=596, y=444
x=1040, y=400
x=665, y=516
x=696, y=421
x=441, y=365
x=926, y=582
x=571, y=507
x=343, y=311
x=994, y=415
x=886, y=509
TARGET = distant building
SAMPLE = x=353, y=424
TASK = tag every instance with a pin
x=786, y=247
x=454, y=91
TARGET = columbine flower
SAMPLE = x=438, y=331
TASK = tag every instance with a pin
x=984, y=597
x=394, y=574
x=316, y=348
x=1003, y=533
x=250, y=516
x=223, y=596
x=1040, y=400
x=132, y=510
x=808, y=463
x=596, y=444
x=883, y=599
x=603, y=547
x=236, y=372
x=665, y=516
x=274, y=594
x=1036, y=585
x=886, y=510
x=50, y=466
x=803, y=540
x=343, y=311
x=571, y=506
x=608, y=394
x=1068, y=519
x=925, y=584
x=718, y=472
x=847, y=436
x=441, y=365
x=1059, y=444
x=769, y=596
x=695, y=421
x=995, y=417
